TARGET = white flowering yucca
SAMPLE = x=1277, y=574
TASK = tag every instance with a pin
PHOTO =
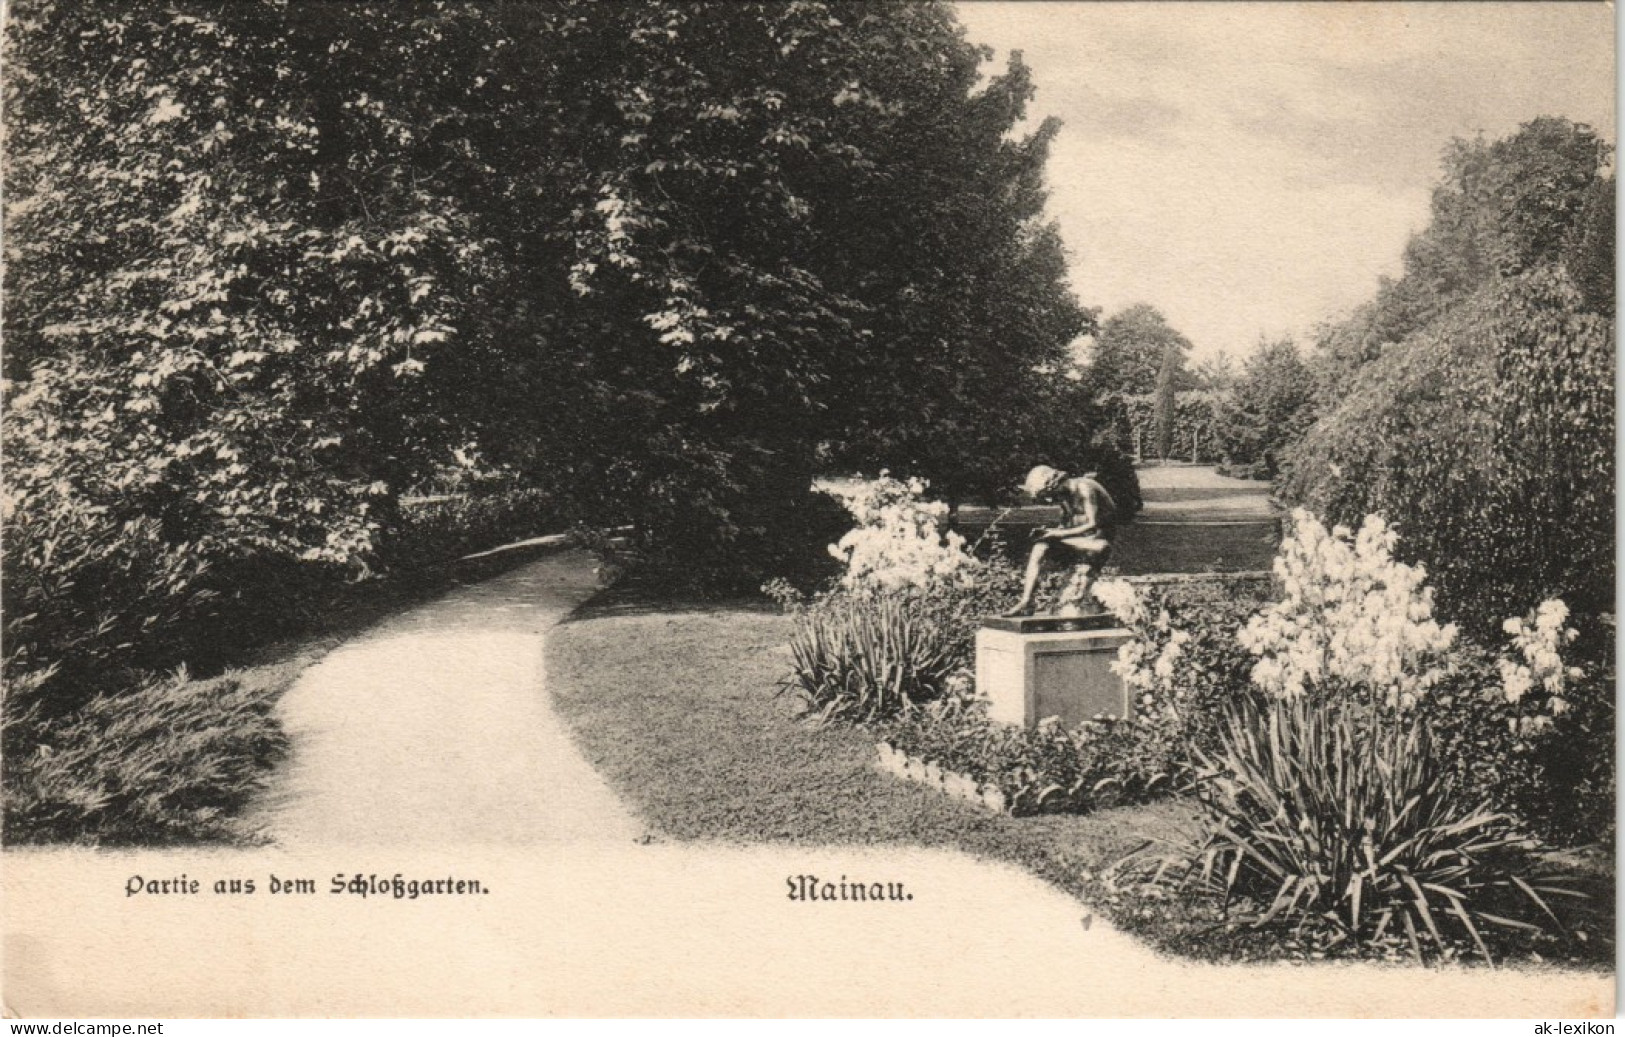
x=898, y=543
x=1139, y=662
x=1148, y=662
x=1121, y=600
x=1350, y=613
x=1538, y=637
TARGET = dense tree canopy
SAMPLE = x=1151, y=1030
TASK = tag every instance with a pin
x=1131, y=350
x=270, y=265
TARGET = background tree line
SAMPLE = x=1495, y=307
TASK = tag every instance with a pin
x=1162, y=407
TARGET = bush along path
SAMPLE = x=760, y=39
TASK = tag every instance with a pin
x=433, y=729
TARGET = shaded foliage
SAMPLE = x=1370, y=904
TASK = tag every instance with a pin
x=271, y=266
x=1137, y=373
x=1269, y=408
x=1489, y=442
x=1471, y=402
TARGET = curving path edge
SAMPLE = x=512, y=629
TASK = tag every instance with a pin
x=434, y=729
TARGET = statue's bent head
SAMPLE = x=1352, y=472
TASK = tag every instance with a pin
x=1042, y=481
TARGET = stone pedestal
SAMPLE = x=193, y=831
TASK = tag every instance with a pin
x=1042, y=666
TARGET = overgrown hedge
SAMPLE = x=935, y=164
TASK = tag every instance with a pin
x=1488, y=442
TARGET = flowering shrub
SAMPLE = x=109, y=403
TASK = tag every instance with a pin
x=1184, y=661
x=1350, y=614
x=1370, y=787
x=1134, y=658
x=898, y=628
x=1525, y=729
x=898, y=543
x=1532, y=732
x=1537, y=637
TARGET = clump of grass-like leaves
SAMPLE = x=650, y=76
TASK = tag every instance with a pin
x=861, y=659
x=1334, y=815
x=172, y=761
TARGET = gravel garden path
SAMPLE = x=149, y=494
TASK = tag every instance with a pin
x=433, y=729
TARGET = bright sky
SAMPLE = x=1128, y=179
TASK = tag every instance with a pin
x=1254, y=167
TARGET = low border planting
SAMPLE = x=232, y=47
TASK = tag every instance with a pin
x=898, y=763
x=1050, y=769
x=1343, y=825
x=173, y=761
x=859, y=661
x=147, y=758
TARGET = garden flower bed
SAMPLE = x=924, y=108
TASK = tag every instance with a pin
x=1306, y=707
x=898, y=763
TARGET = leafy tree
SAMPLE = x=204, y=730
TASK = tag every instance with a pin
x=1131, y=350
x=961, y=374
x=1216, y=373
x=269, y=266
x=1271, y=405
x=223, y=292
x=1538, y=197
x=877, y=283
x=1137, y=354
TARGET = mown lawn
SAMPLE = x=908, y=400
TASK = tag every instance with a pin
x=674, y=704
x=677, y=710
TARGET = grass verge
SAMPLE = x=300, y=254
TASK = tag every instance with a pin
x=674, y=706
x=676, y=710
